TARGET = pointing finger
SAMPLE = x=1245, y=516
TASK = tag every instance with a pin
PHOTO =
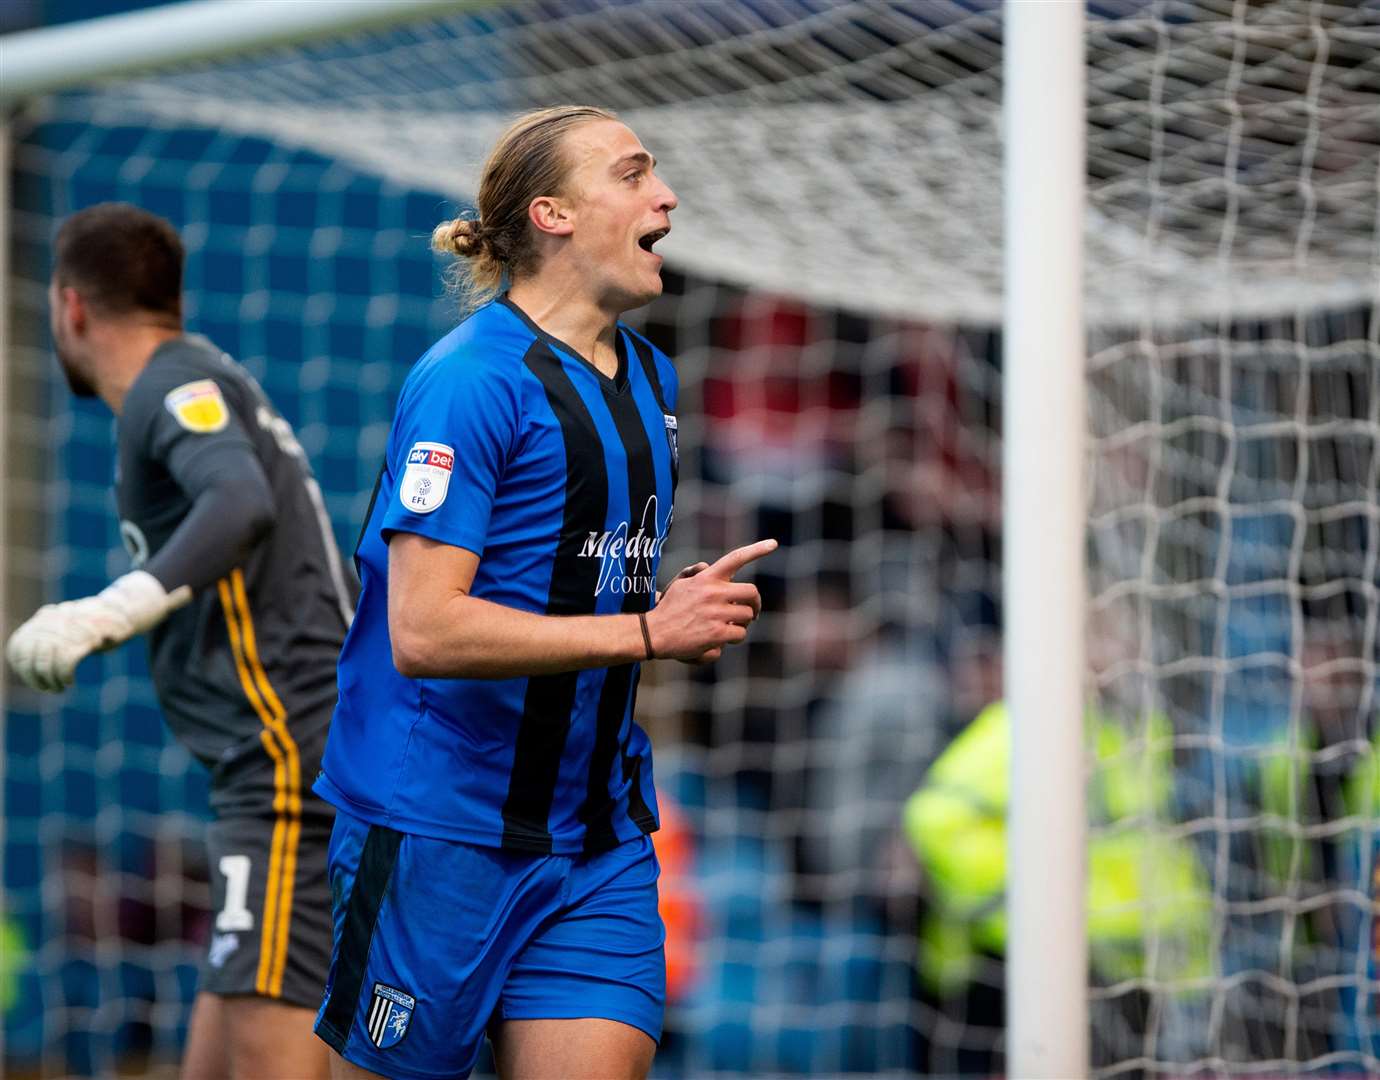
x=735, y=560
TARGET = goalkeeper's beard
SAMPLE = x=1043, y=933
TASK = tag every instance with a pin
x=77, y=380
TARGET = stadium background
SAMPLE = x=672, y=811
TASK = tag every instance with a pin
x=868, y=443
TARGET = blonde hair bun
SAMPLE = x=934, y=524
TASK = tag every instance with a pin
x=460, y=236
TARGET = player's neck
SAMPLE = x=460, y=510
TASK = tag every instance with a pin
x=568, y=313
x=124, y=351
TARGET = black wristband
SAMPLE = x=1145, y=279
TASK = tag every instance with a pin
x=646, y=634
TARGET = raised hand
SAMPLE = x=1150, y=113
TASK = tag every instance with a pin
x=704, y=609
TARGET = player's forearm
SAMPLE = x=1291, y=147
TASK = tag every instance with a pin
x=225, y=521
x=463, y=637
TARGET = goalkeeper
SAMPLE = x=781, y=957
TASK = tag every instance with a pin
x=239, y=585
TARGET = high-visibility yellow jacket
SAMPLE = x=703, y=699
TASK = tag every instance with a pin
x=14, y=954
x=1149, y=901
x=1288, y=835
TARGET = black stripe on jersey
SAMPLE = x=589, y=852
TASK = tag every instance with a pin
x=644, y=353
x=368, y=514
x=546, y=709
x=376, y=861
x=597, y=811
x=638, y=809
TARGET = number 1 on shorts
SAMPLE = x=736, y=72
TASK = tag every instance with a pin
x=234, y=916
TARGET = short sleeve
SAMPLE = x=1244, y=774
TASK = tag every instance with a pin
x=180, y=418
x=457, y=424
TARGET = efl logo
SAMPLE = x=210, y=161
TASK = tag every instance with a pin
x=426, y=479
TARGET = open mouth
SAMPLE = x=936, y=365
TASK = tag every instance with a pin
x=646, y=242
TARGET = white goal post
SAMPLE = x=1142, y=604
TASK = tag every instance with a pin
x=1043, y=508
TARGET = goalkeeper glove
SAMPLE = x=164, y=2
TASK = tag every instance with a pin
x=45, y=651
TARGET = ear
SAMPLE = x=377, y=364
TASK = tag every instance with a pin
x=551, y=216
x=74, y=310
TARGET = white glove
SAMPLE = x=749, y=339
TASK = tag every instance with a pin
x=45, y=651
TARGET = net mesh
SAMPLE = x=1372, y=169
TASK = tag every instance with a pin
x=833, y=286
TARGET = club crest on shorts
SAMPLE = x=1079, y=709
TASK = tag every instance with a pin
x=390, y=1012
x=198, y=406
x=426, y=476
x=672, y=437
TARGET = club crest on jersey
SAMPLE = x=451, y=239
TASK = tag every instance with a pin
x=390, y=1012
x=198, y=406
x=672, y=437
x=426, y=476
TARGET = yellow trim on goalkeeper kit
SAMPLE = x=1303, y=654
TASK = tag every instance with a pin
x=287, y=800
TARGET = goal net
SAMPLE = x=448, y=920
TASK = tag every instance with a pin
x=833, y=302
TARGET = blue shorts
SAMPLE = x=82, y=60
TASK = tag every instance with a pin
x=435, y=940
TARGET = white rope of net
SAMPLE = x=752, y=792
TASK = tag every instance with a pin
x=851, y=152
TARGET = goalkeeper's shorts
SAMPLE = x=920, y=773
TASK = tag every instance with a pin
x=435, y=940
x=271, y=927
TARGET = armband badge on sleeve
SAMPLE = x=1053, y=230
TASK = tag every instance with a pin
x=198, y=406
x=426, y=477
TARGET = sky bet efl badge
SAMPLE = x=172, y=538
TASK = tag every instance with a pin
x=389, y=1013
x=426, y=477
x=198, y=406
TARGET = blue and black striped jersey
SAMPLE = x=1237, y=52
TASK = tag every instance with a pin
x=509, y=444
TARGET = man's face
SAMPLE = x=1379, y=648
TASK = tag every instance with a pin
x=67, y=345
x=620, y=207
